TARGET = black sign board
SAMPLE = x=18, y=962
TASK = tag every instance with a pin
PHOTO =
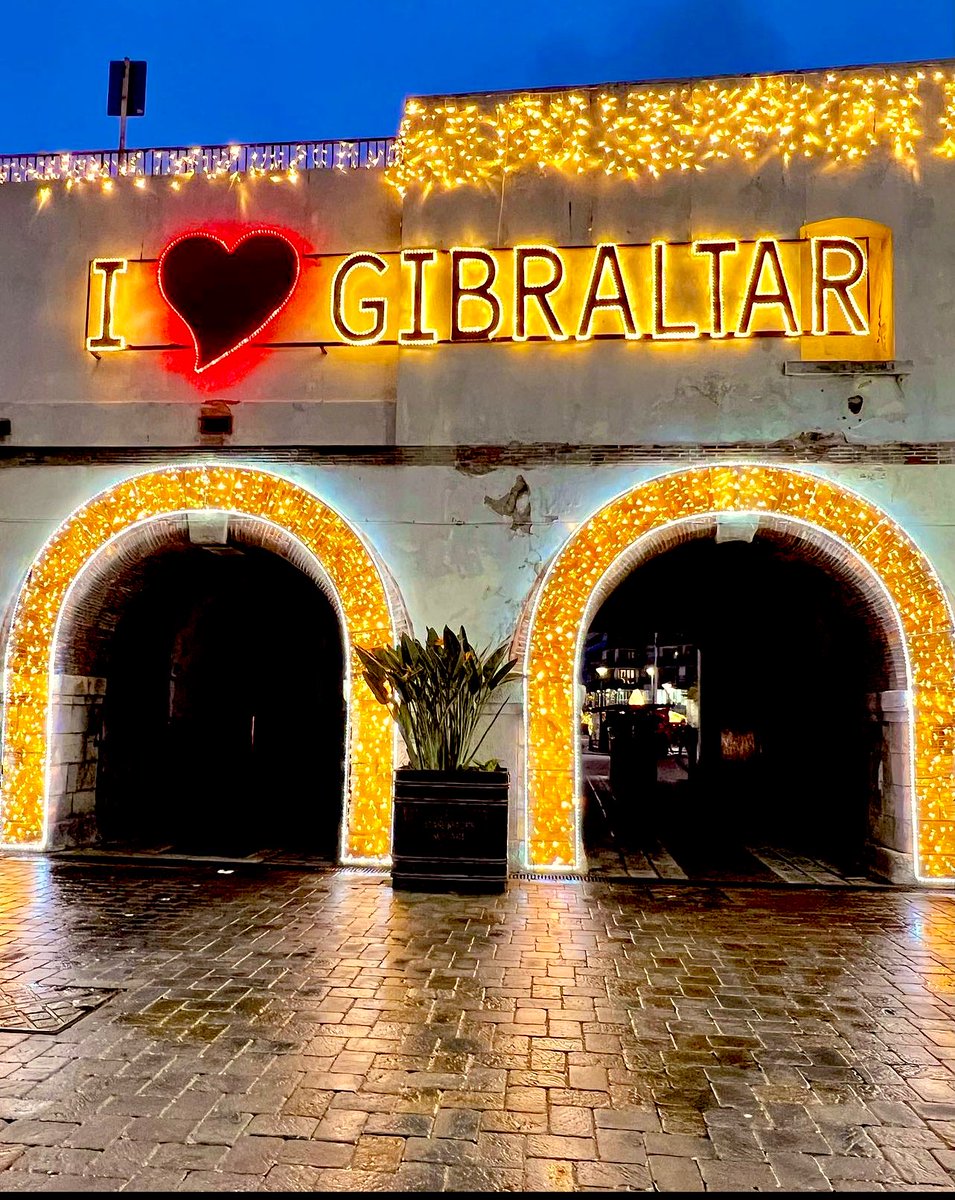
x=135, y=91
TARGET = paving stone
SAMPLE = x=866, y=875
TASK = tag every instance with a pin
x=574, y=1122
x=645, y=1120
x=153, y=1179
x=797, y=1172
x=613, y=1176
x=56, y=1160
x=158, y=1129
x=122, y=1158
x=97, y=1133
x=672, y=1144
x=312, y=1026
x=281, y=1126
x=343, y=1126
x=721, y=1176
x=218, y=1181
x=438, y=1150
x=403, y=1124
x=475, y=1178
x=500, y=1149
x=248, y=1155
x=674, y=1174
x=37, y=1133
x=621, y=1146
x=917, y=1166
x=515, y=1122
x=296, y=1152
x=549, y=1175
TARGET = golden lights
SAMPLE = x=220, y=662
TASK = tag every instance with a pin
x=279, y=163
x=553, y=801
x=815, y=284
x=345, y=560
x=836, y=117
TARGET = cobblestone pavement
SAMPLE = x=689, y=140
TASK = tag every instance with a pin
x=273, y=1029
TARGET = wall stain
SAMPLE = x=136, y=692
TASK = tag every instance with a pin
x=515, y=504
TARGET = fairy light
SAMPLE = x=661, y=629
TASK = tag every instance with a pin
x=106, y=338
x=899, y=568
x=606, y=265
x=346, y=561
x=946, y=148
x=767, y=261
x=476, y=293
x=201, y=366
x=538, y=292
x=375, y=306
x=715, y=250
x=838, y=117
x=279, y=164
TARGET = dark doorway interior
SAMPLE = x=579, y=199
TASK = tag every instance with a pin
x=223, y=721
x=788, y=746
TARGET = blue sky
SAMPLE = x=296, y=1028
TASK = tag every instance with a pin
x=228, y=70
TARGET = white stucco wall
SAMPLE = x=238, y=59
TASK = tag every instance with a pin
x=591, y=393
x=453, y=559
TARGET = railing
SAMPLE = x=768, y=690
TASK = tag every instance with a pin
x=261, y=158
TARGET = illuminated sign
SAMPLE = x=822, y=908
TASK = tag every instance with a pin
x=210, y=295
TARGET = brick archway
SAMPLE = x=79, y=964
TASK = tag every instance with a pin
x=849, y=534
x=125, y=519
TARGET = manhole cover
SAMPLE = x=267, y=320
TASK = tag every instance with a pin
x=36, y=1008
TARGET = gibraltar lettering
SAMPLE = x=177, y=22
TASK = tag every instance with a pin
x=209, y=295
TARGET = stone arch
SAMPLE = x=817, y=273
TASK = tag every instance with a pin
x=848, y=535
x=66, y=593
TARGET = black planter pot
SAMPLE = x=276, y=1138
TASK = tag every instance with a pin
x=450, y=831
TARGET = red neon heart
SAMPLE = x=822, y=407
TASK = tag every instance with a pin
x=227, y=296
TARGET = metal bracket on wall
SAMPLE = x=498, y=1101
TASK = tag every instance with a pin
x=825, y=367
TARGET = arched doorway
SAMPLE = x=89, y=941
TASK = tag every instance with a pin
x=88, y=587
x=850, y=536
x=734, y=687
x=223, y=693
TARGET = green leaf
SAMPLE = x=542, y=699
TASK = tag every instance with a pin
x=438, y=691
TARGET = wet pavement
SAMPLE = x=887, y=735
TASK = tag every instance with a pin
x=274, y=1029
x=622, y=844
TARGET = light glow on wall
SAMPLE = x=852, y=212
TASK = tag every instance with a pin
x=560, y=613
x=657, y=291
x=345, y=560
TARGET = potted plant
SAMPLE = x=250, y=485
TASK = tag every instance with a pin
x=450, y=815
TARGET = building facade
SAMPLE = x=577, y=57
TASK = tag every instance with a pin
x=264, y=405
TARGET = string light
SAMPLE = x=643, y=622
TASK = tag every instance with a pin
x=279, y=164
x=346, y=561
x=553, y=804
x=839, y=117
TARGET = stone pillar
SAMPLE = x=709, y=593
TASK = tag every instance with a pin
x=891, y=830
x=74, y=751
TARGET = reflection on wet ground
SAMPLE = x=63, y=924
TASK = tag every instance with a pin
x=677, y=832
x=275, y=1029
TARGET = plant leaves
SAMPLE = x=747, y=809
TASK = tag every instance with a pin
x=438, y=691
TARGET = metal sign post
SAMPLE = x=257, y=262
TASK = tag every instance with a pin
x=123, y=103
x=127, y=93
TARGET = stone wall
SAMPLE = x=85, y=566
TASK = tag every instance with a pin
x=77, y=710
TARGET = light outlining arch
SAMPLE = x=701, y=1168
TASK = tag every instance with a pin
x=361, y=597
x=561, y=609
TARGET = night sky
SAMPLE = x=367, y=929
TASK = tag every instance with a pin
x=286, y=70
